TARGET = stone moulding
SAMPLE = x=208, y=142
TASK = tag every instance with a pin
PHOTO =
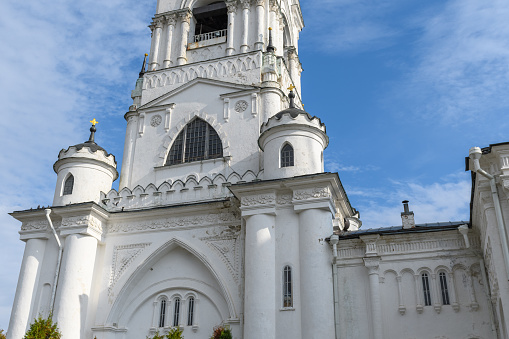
x=123, y=256
x=172, y=193
x=223, y=218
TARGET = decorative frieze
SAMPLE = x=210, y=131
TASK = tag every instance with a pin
x=38, y=225
x=255, y=200
x=83, y=221
x=314, y=193
x=175, y=222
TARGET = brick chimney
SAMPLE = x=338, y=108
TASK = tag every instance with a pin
x=407, y=216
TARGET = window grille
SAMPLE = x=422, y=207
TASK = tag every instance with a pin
x=444, y=289
x=162, y=313
x=287, y=156
x=287, y=287
x=68, y=185
x=197, y=141
x=176, y=312
x=190, y=312
x=425, y=289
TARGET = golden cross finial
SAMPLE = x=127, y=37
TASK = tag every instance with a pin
x=270, y=28
x=94, y=122
x=292, y=87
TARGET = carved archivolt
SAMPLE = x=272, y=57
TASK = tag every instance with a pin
x=226, y=243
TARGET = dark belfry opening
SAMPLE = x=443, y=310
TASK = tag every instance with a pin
x=211, y=18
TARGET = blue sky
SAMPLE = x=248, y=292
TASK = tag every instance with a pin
x=404, y=87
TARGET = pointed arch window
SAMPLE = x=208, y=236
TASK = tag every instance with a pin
x=425, y=289
x=162, y=313
x=176, y=312
x=287, y=287
x=197, y=141
x=443, y=288
x=287, y=156
x=68, y=185
x=190, y=312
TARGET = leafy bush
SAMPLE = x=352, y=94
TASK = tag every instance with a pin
x=174, y=333
x=221, y=332
x=43, y=329
x=2, y=335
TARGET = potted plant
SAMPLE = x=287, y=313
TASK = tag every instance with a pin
x=222, y=332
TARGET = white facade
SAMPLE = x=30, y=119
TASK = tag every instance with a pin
x=225, y=215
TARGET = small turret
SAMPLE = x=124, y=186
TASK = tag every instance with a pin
x=292, y=142
x=83, y=172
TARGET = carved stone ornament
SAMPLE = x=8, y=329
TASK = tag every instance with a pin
x=284, y=199
x=315, y=193
x=232, y=6
x=245, y=4
x=34, y=225
x=123, y=256
x=259, y=3
x=171, y=19
x=87, y=220
x=185, y=16
x=261, y=199
x=156, y=120
x=176, y=222
x=226, y=243
x=241, y=106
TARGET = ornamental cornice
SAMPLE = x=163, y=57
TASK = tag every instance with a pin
x=312, y=193
x=85, y=222
x=191, y=221
x=258, y=200
x=35, y=225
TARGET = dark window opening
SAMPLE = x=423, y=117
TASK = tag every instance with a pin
x=176, y=312
x=69, y=184
x=190, y=312
x=287, y=156
x=212, y=18
x=426, y=290
x=197, y=141
x=444, y=289
x=287, y=287
x=162, y=313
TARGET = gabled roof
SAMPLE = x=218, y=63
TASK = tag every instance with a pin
x=233, y=86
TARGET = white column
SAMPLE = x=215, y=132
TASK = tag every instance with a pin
x=292, y=65
x=185, y=17
x=260, y=32
x=260, y=277
x=317, y=302
x=280, y=41
x=232, y=8
x=170, y=20
x=271, y=101
x=273, y=10
x=245, y=22
x=30, y=266
x=130, y=143
x=74, y=284
x=156, y=41
x=372, y=264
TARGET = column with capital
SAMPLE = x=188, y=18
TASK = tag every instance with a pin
x=259, y=24
x=245, y=21
x=373, y=264
x=170, y=21
x=232, y=9
x=156, y=27
x=185, y=18
x=294, y=67
x=280, y=41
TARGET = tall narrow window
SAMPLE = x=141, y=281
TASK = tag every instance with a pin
x=197, y=141
x=162, y=313
x=425, y=289
x=444, y=289
x=190, y=312
x=287, y=287
x=287, y=156
x=176, y=312
x=68, y=185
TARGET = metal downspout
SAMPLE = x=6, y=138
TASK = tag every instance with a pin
x=57, y=270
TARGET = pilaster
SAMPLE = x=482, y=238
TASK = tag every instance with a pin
x=232, y=10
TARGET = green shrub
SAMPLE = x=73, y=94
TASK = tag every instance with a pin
x=174, y=333
x=43, y=329
x=2, y=334
x=221, y=332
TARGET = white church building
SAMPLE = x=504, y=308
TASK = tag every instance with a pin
x=224, y=213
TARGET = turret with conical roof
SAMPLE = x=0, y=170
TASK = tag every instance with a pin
x=83, y=172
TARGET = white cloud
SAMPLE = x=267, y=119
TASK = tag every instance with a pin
x=440, y=201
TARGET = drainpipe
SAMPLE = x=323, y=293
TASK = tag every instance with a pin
x=334, y=239
x=475, y=154
x=57, y=270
